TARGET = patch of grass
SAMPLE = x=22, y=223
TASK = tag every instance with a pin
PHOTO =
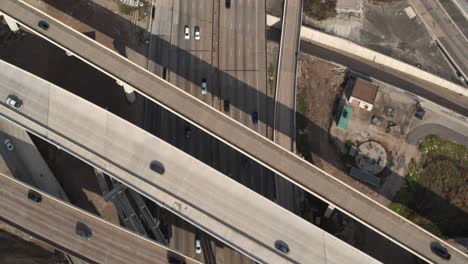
x=348, y=144
x=271, y=77
x=301, y=103
x=349, y=160
x=436, y=192
x=127, y=10
x=320, y=9
x=434, y=146
x=400, y=209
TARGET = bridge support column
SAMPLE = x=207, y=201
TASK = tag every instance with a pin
x=329, y=211
x=118, y=188
x=11, y=23
x=130, y=91
x=69, y=54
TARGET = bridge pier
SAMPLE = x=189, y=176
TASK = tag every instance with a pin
x=11, y=23
x=117, y=189
x=129, y=91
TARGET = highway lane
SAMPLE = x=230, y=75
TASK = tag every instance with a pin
x=242, y=82
x=54, y=221
x=187, y=71
x=284, y=131
x=279, y=160
x=442, y=27
x=242, y=219
x=184, y=69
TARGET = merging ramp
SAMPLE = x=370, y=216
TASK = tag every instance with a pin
x=260, y=149
x=284, y=129
x=55, y=221
x=208, y=199
x=284, y=120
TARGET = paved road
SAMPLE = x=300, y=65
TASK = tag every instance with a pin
x=285, y=99
x=281, y=161
x=54, y=222
x=186, y=63
x=420, y=132
x=242, y=219
x=286, y=77
x=442, y=27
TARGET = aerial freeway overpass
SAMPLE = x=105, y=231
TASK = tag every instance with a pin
x=234, y=134
x=203, y=196
x=54, y=221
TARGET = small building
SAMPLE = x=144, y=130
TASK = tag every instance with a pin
x=363, y=94
x=345, y=116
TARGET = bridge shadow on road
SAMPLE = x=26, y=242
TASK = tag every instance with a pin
x=104, y=21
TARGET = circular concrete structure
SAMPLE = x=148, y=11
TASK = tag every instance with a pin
x=371, y=157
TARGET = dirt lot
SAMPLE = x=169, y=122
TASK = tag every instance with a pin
x=319, y=84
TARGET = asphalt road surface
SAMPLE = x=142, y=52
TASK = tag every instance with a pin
x=234, y=40
x=55, y=222
x=189, y=188
x=443, y=28
x=261, y=149
x=285, y=98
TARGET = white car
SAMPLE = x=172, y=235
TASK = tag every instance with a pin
x=187, y=32
x=9, y=145
x=14, y=101
x=198, y=246
x=204, y=87
x=197, y=33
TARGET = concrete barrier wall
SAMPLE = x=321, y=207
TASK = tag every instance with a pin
x=328, y=41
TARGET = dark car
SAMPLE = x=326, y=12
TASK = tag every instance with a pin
x=43, y=24
x=175, y=260
x=83, y=231
x=228, y=3
x=255, y=117
x=34, y=196
x=440, y=251
x=188, y=132
x=226, y=105
x=281, y=246
x=157, y=167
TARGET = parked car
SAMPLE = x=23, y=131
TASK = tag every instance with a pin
x=34, y=196
x=157, y=167
x=197, y=33
x=83, y=231
x=440, y=251
x=187, y=32
x=43, y=24
x=9, y=145
x=255, y=117
x=226, y=105
x=198, y=246
x=228, y=3
x=281, y=246
x=14, y=101
x=204, y=86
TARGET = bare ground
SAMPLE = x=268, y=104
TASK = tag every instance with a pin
x=319, y=84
